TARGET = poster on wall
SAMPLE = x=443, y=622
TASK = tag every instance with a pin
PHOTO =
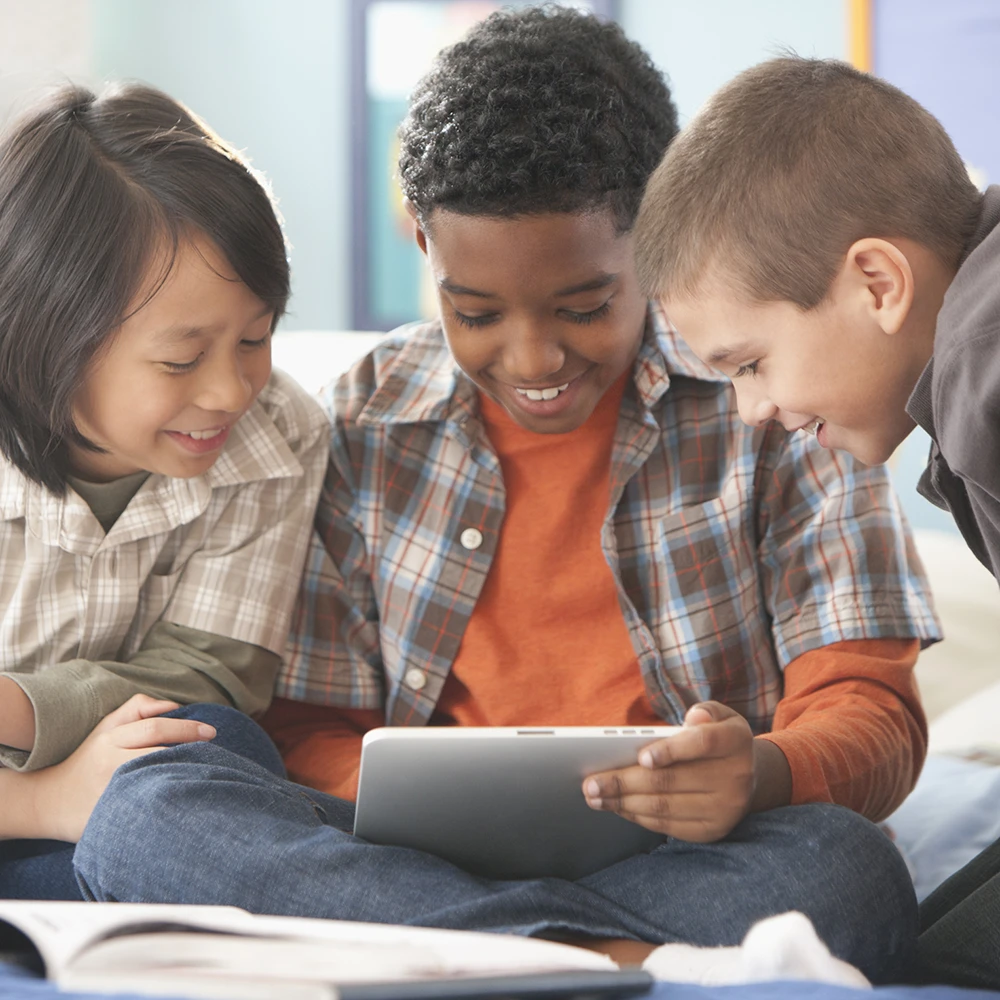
x=393, y=45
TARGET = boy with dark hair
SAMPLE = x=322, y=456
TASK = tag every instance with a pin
x=540, y=510
x=814, y=235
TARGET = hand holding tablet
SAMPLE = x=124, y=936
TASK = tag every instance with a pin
x=700, y=782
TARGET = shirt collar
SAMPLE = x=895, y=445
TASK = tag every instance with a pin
x=256, y=449
x=418, y=380
x=920, y=405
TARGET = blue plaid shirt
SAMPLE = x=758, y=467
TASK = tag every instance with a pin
x=735, y=549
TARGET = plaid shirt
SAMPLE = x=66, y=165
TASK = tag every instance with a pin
x=735, y=549
x=221, y=553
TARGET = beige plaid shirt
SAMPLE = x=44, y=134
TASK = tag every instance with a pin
x=220, y=553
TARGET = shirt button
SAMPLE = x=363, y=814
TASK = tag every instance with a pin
x=471, y=538
x=415, y=679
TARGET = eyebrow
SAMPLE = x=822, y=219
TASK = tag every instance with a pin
x=592, y=284
x=724, y=353
x=450, y=286
x=181, y=334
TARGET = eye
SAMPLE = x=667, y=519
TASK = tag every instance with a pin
x=474, y=322
x=253, y=345
x=588, y=317
x=179, y=366
x=750, y=369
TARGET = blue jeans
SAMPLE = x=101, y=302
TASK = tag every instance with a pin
x=201, y=824
x=43, y=869
x=960, y=927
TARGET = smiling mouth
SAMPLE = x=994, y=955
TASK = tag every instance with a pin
x=202, y=435
x=539, y=394
x=812, y=427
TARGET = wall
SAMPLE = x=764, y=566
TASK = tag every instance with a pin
x=701, y=45
x=272, y=78
x=42, y=43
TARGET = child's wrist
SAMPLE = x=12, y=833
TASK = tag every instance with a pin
x=23, y=812
x=17, y=716
x=772, y=777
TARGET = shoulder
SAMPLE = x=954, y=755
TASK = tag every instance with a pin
x=296, y=415
x=965, y=384
x=283, y=435
x=410, y=376
x=14, y=489
x=966, y=341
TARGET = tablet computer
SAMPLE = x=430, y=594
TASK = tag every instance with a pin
x=502, y=802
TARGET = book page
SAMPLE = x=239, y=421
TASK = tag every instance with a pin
x=444, y=952
x=61, y=931
x=153, y=941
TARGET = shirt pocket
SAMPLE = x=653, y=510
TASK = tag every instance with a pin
x=711, y=623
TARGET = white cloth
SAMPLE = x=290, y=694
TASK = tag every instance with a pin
x=781, y=947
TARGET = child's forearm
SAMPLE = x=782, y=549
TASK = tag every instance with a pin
x=17, y=716
x=20, y=817
x=851, y=724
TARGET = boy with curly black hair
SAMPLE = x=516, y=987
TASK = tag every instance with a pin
x=541, y=511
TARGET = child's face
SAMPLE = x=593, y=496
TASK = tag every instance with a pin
x=830, y=370
x=171, y=383
x=542, y=312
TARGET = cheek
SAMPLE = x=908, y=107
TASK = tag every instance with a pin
x=260, y=371
x=471, y=349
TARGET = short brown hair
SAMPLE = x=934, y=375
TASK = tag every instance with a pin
x=91, y=190
x=785, y=168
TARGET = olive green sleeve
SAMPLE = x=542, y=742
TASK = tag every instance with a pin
x=174, y=662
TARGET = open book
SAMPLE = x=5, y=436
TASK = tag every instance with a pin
x=221, y=951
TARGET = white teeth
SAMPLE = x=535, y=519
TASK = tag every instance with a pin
x=540, y=394
x=203, y=435
x=812, y=428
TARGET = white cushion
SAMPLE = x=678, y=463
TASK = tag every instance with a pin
x=968, y=602
x=316, y=357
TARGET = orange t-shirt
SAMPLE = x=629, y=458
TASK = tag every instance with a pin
x=547, y=643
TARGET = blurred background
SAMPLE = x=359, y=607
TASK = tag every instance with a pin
x=312, y=91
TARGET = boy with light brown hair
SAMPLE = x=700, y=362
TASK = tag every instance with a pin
x=814, y=235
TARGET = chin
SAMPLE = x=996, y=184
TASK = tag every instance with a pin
x=873, y=453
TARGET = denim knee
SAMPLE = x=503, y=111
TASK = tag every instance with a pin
x=868, y=874
x=236, y=732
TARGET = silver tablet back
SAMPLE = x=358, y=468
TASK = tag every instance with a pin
x=500, y=802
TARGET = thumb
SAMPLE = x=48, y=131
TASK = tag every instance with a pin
x=705, y=712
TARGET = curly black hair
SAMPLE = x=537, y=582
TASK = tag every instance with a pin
x=538, y=109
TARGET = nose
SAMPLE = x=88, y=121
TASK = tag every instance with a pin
x=532, y=354
x=754, y=406
x=225, y=384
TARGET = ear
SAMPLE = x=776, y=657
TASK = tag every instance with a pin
x=881, y=272
x=419, y=234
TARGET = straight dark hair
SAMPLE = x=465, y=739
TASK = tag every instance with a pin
x=93, y=192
